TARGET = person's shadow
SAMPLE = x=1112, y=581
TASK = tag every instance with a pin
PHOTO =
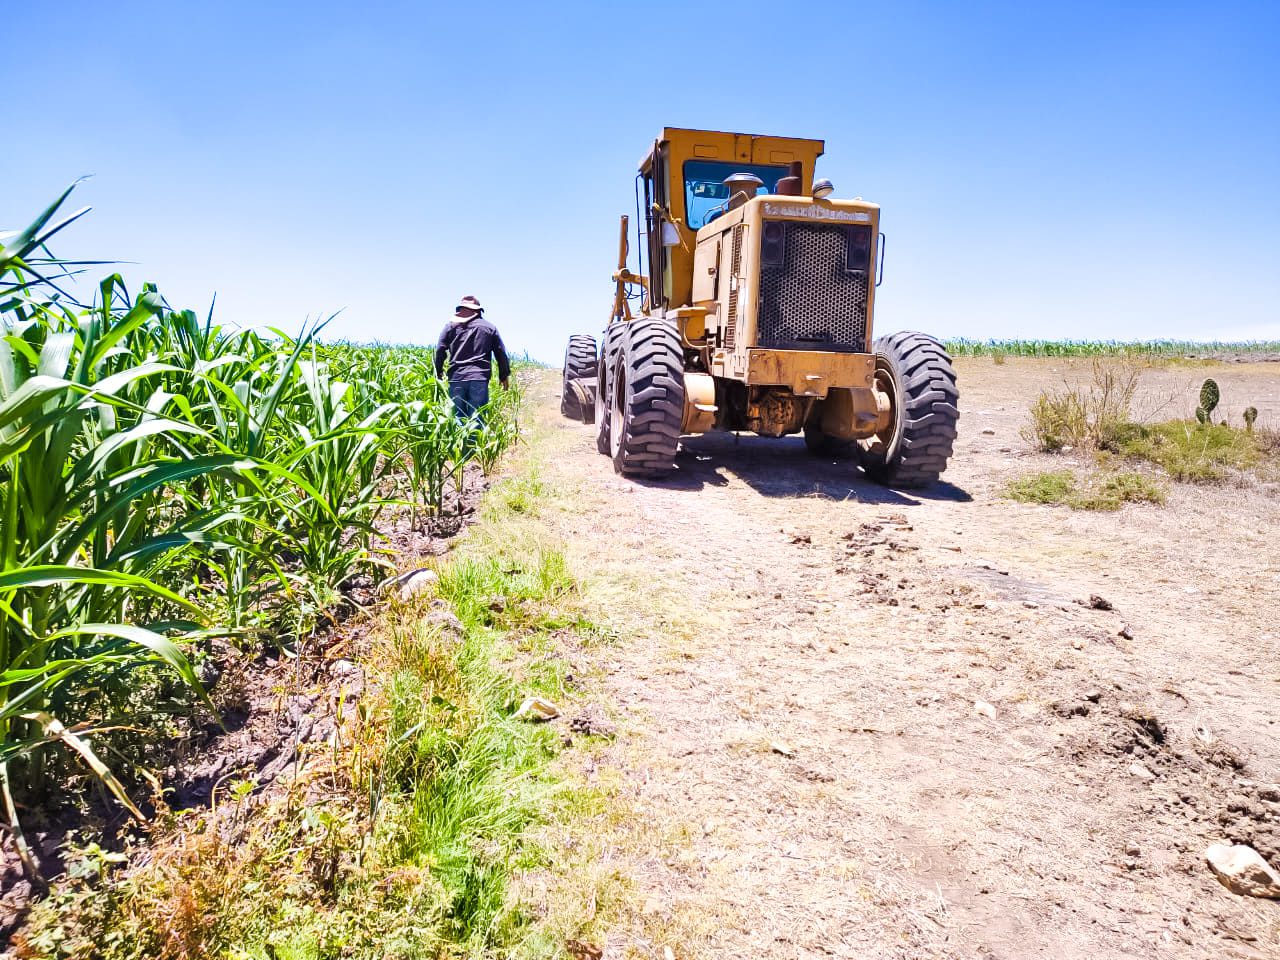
x=785, y=468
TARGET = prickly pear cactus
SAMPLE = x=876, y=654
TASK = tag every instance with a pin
x=1250, y=415
x=1209, y=395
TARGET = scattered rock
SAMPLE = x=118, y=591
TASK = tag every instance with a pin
x=1077, y=644
x=1070, y=708
x=1031, y=604
x=988, y=433
x=1093, y=696
x=537, y=709
x=1242, y=870
x=778, y=746
x=210, y=673
x=1145, y=720
x=1126, y=633
x=1141, y=771
x=984, y=708
x=801, y=538
x=409, y=585
x=1099, y=603
x=592, y=723
x=1132, y=850
x=343, y=668
x=447, y=621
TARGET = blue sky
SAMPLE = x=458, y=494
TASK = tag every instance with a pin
x=1045, y=170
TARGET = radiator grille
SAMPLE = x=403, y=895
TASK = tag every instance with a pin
x=735, y=271
x=809, y=299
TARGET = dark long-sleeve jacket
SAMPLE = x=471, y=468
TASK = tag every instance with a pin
x=468, y=346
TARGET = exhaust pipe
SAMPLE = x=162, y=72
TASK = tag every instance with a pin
x=790, y=186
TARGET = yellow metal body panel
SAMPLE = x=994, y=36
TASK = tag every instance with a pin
x=808, y=373
x=678, y=145
x=699, y=413
x=731, y=294
x=711, y=285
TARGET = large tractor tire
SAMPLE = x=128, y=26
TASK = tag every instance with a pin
x=916, y=371
x=646, y=399
x=579, y=363
x=610, y=348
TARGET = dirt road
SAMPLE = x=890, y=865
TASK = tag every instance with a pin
x=860, y=723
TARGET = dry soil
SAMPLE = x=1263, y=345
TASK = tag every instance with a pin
x=863, y=723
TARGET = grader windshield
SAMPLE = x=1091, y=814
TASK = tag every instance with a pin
x=705, y=191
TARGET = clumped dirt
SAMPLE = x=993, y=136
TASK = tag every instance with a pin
x=868, y=723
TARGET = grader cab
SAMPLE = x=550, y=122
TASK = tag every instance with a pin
x=754, y=294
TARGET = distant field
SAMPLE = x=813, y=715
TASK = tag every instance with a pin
x=1256, y=349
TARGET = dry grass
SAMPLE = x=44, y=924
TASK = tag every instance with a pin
x=1095, y=415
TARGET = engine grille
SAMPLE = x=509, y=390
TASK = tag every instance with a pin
x=809, y=299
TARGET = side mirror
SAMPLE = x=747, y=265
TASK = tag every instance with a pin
x=670, y=234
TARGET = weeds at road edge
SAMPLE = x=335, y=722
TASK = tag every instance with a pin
x=412, y=834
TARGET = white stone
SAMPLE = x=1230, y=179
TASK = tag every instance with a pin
x=1242, y=870
x=537, y=708
x=411, y=584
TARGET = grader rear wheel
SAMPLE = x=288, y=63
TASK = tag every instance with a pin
x=646, y=391
x=579, y=363
x=916, y=372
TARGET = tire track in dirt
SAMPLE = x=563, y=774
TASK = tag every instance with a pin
x=801, y=731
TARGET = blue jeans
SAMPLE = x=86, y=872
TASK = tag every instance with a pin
x=468, y=396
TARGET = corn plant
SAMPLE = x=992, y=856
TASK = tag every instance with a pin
x=165, y=479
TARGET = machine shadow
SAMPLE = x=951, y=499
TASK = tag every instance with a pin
x=785, y=468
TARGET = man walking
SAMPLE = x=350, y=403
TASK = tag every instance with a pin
x=467, y=342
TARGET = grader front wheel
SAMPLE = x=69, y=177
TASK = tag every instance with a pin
x=916, y=372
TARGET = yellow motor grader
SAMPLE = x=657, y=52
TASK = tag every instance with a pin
x=754, y=292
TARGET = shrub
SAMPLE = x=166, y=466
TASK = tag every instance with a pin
x=1093, y=415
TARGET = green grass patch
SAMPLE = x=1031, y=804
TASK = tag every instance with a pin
x=1199, y=453
x=1105, y=492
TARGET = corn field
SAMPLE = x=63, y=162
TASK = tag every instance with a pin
x=1111, y=348
x=167, y=481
